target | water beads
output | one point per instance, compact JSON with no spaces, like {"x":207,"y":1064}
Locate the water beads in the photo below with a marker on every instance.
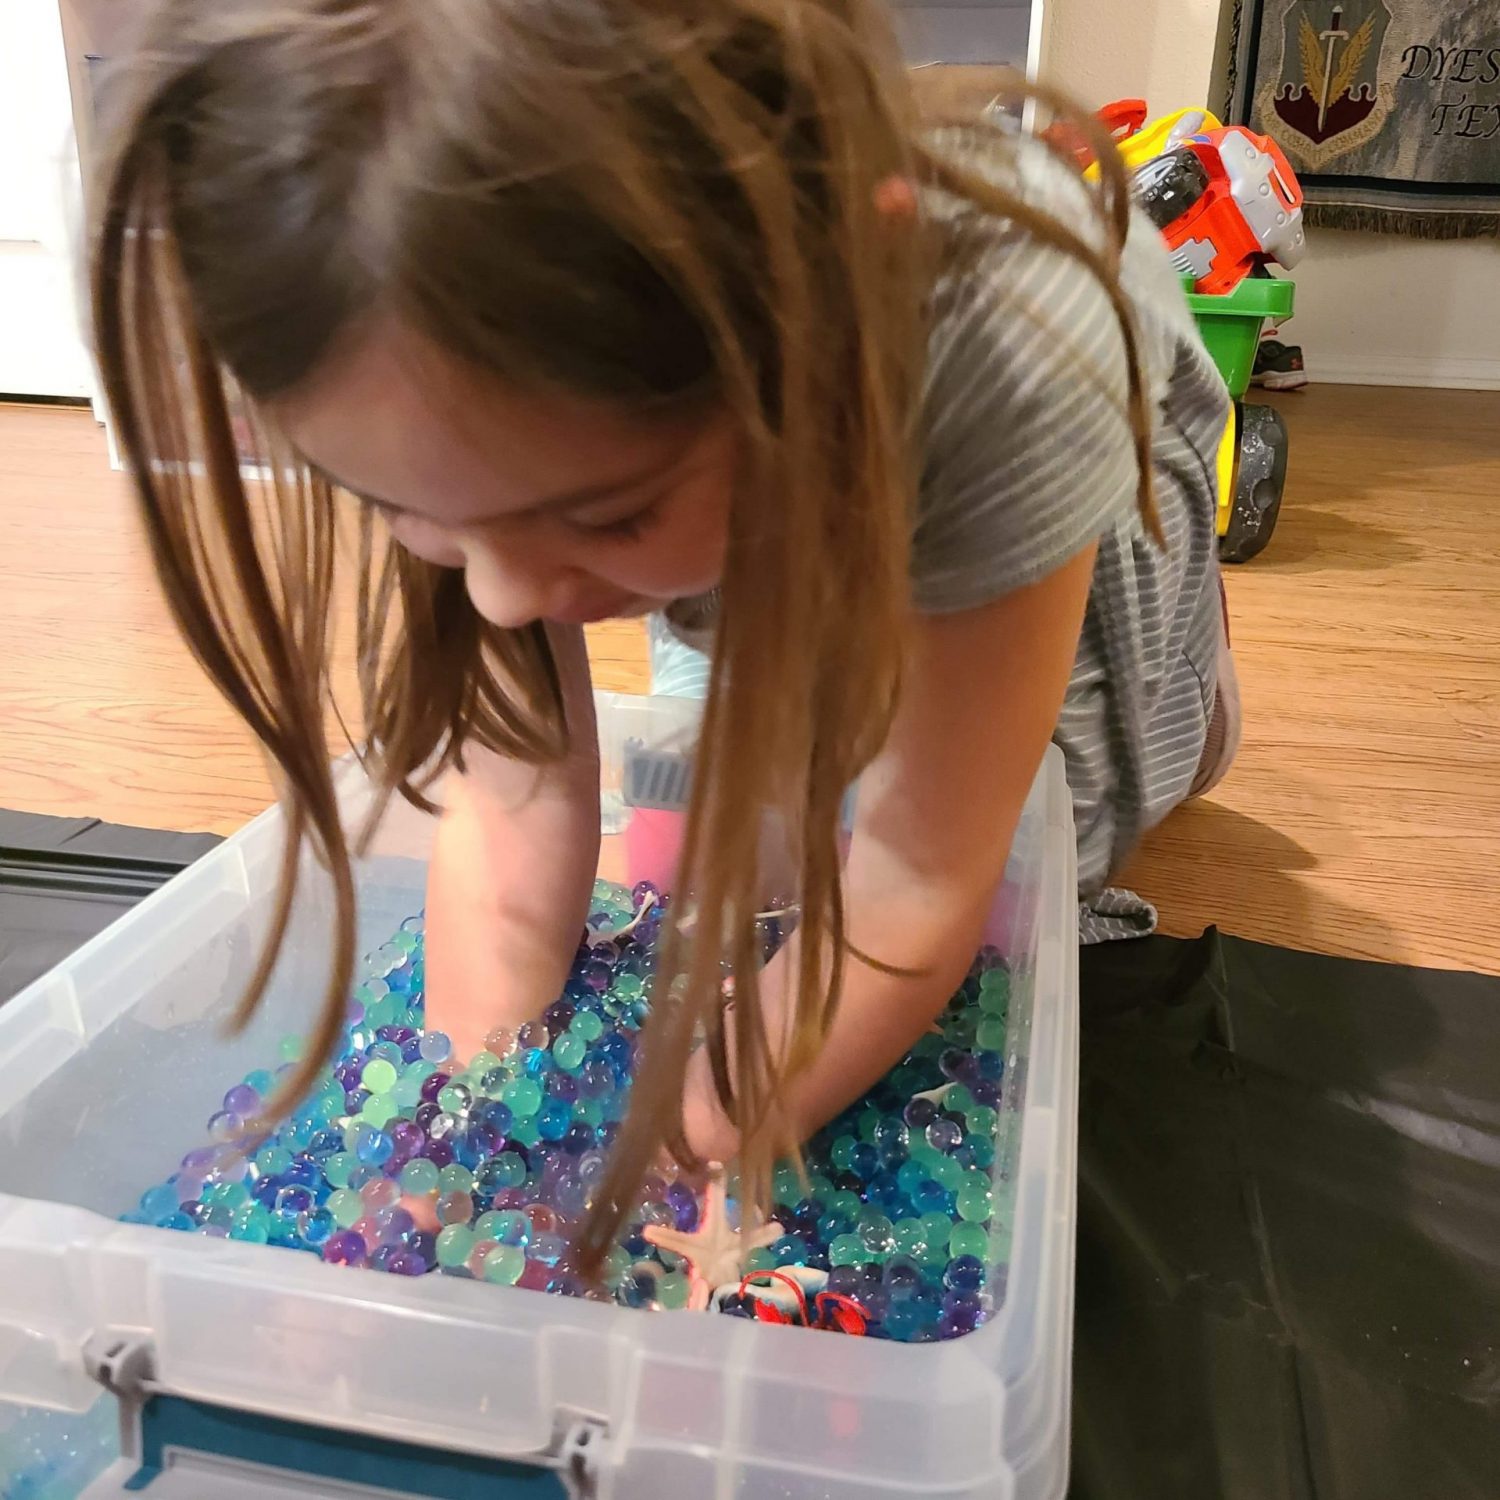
{"x":401,"y":1161}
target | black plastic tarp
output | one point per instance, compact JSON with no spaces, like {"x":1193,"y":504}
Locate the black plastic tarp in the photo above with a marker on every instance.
{"x":1289,"y":1228}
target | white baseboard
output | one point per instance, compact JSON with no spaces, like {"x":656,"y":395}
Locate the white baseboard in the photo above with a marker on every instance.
{"x":1418,"y":371}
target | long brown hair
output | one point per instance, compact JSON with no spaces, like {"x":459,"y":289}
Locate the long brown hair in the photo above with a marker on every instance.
{"x":638,"y":202}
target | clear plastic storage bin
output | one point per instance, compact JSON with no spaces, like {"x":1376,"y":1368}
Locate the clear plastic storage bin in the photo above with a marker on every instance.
{"x":110,"y":1064}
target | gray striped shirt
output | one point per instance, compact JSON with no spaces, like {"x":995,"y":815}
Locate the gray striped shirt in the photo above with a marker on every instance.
{"x":1029,"y":458}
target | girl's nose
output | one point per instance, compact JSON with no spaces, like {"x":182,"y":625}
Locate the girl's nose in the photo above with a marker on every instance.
{"x":514,"y":586}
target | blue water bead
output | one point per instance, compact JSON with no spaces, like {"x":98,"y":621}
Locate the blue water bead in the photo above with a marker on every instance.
{"x":902,"y":1278}
{"x":864,"y":1159}
{"x":294,"y":1199}
{"x":910,"y":1176}
{"x":373,"y":1147}
{"x":975,"y":1151}
{"x":325,"y":1143}
{"x":964,"y":1274}
{"x":159,"y":1203}
{"x":553,"y":1120}
{"x":790,"y":1250}
{"x":178,"y":1220}
{"x":832,"y":1225}
{"x":930,"y":1197}
{"x":537,"y":1062}
{"x":903,"y":1318}
{"x":316,"y":1227}
{"x":578,"y":1139}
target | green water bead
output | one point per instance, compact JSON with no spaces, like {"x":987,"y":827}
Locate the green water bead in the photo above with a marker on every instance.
{"x":525,"y":1132}
{"x":523,"y":1097}
{"x":455,"y":1242}
{"x":949,"y":1173}
{"x":968,"y":1239}
{"x":938,"y":1227}
{"x":453,"y":1099}
{"x":568,"y":1051}
{"x":379,"y":1076}
{"x":290,"y":1049}
{"x":630,"y":987}
{"x":408,"y":1090}
{"x":586,"y":1024}
{"x":786,"y":1184}
{"x":338,"y":1167}
{"x":869,"y":1125}
{"x":989,"y":1035}
{"x":911,"y":1238}
{"x":672,"y":1291}
{"x":492,"y":1082}
{"x":616,"y":1264}
{"x":420,"y":1177}
{"x":272,"y":1161}
{"x":994,"y":990}
{"x":841,"y":1153}
{"x":379,"y":1110}
{"x":876,"y":1233}
{"x":347,"y":1207}
{"x":227,"y":1194}
{"x":982,"y":1120}
{"x":252,"y":1224}
{"x":958,"y":1099}
{"x":975,"y":1199}
{"x":844,"y":1202}
{"x":846,"y":1250}
{"x":455,"y":1178}
{"x":503,"y":1265}
{"x":590,"y":1111}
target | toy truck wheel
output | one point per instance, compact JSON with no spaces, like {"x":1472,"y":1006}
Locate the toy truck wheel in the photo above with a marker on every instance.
{"x":1259,"y":482}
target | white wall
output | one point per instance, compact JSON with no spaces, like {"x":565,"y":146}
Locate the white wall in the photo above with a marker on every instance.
{"x":1373,"y":310}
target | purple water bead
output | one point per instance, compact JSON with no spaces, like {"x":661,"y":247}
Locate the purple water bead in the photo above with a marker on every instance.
{"x":433,"y":1086}
{"x":919,"y":1114}
{"x":944,"y":1134}
{"x":346,"y":1248}
{"x":684,"y":1205}
{"x":562,"y":1086}
{"x":440,"y":1153}
{"x":243,"y":1101}
{"x":406,"y":1262}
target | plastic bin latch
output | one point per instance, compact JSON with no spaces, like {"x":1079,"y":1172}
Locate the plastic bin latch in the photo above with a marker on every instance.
{"x":124,"y":1364}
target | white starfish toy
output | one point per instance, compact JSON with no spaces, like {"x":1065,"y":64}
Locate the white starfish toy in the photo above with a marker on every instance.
{"x":715,"y":1252}
{"x":938,"y":1095}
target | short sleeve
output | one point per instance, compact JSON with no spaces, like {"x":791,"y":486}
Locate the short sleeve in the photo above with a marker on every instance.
{"x":1029,"y":453}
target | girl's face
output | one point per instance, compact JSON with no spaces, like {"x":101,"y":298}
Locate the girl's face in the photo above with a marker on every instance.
{"x":556,"y":507}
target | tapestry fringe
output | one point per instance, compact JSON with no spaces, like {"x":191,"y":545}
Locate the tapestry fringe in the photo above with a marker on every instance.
{"x":1423,"y":226}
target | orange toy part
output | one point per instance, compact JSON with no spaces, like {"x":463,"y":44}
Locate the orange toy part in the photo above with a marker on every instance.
{"x":1249,"y":211}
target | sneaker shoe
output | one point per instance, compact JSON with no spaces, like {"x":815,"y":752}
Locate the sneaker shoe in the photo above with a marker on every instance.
{"x":1279,"y":367}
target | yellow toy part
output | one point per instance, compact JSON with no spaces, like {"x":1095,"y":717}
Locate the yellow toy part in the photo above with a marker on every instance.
{"x":1229,"y":452}
{"x":1159,"y":137}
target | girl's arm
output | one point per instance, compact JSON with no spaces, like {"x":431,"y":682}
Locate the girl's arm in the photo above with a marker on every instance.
{"x":511,"y":875}
{"x":936,"y":815}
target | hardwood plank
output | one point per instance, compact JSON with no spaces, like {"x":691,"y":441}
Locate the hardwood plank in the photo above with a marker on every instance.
{"x":1363,"y":816}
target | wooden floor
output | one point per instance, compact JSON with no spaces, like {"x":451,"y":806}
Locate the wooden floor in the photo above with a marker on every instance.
{"x":1363,"y":816}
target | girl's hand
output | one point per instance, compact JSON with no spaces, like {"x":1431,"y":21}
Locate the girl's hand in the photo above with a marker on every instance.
{"x":511,"y":876}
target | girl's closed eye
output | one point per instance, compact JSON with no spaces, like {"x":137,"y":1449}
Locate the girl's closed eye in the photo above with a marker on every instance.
{"x":628,"y":527}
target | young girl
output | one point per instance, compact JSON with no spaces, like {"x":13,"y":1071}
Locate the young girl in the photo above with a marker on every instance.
{"x":612,"y":308}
